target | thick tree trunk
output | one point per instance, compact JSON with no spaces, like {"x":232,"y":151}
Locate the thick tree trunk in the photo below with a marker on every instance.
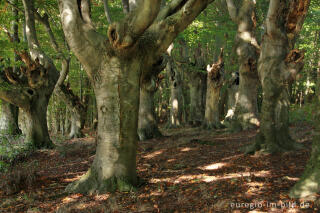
{"x":245,"y":115}
{"x":212,"y":118}
{"x":176,"y":99}
{"x":37,"y":130}
{"x":9,"y":119}
{"x":246,"y":110}
{"x":274,"y":131}
{"x":114,"y":166}
{"x":214,"y":85}
{"x":147,"y":126}
{"x":278,"y":64}
{"x":196,"y":107}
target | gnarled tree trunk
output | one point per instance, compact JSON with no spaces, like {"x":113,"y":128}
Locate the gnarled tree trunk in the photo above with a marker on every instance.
{"x":214,"y":84}
{"x":246,"y":111}
{"x":37,"y":130}
{"x":176,"y":97}
{"x":278,"y":64}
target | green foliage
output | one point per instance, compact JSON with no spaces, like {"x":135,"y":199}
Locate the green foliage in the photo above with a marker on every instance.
{"x":306,"y":113}
{"x":12,"y":148}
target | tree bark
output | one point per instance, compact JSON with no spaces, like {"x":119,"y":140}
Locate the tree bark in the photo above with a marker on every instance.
{"x":114,"y":166}
{"x":176,"y":99}
{"x":147,"y":126}
{"x":214,"y":84}
{"x":196,"y":107}
{"x":37,"y":130}
{"x":278,"y":64}
{"x":246,"y":110}
{"x":9,"y":119}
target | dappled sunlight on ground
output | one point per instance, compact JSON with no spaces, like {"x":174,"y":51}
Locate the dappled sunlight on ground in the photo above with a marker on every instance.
{"x":189,"y":170}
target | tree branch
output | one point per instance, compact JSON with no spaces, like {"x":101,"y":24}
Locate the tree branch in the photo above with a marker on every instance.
{"x":13,"y":94}
{"x":170,"y":9}
{"x":272,"y":17}
{"x":86,"y":11}
{"x":169,"y":27}
{"x":83,"y":40}
{"x":233,"y":10}
{"x":124,"y":34}
{"x":107,"y":11}
{"x":49,"y":75}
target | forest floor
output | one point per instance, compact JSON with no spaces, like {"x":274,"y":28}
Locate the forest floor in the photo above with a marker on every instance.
{"x":188,"y":170}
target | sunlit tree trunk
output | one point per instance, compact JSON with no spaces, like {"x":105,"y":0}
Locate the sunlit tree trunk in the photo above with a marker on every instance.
{"x":176,"y":97}
{"x":278,"y":64}
{"x":214,"y":84}
{"x":246,"y":110}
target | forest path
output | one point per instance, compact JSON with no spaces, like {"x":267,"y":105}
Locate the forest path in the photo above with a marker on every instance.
{"x":188,"y":170}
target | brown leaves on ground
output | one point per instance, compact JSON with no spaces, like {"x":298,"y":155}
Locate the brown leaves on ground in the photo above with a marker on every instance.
{"x":189,"y":170}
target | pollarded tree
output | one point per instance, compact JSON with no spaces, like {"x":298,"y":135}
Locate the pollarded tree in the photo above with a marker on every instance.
{"x":215,"y":81}
{"x":32,"y":88}
{"x":176,"y":94}
{"x":278,"y":64}
{"x":115,"y":65}
{"x":196,"y":79}
{"x":247,"y":49}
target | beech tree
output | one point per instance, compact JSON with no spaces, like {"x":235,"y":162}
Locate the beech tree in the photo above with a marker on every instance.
{"x":115,"y":64}
{"x":32,"y":88}
{"x":176,"y":95}
{"x":147,"y":125}
{"x":278,"y":64}
{"x":215,"y":81}
{"x":247,"y":49}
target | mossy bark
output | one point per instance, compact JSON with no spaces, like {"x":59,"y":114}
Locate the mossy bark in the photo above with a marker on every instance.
{"x":274,"y":131}
{"x":9,"y":119}
{"x":37,"y":133}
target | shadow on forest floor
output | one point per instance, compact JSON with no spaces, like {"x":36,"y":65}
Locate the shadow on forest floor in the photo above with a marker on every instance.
{"x":189,"y":170}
